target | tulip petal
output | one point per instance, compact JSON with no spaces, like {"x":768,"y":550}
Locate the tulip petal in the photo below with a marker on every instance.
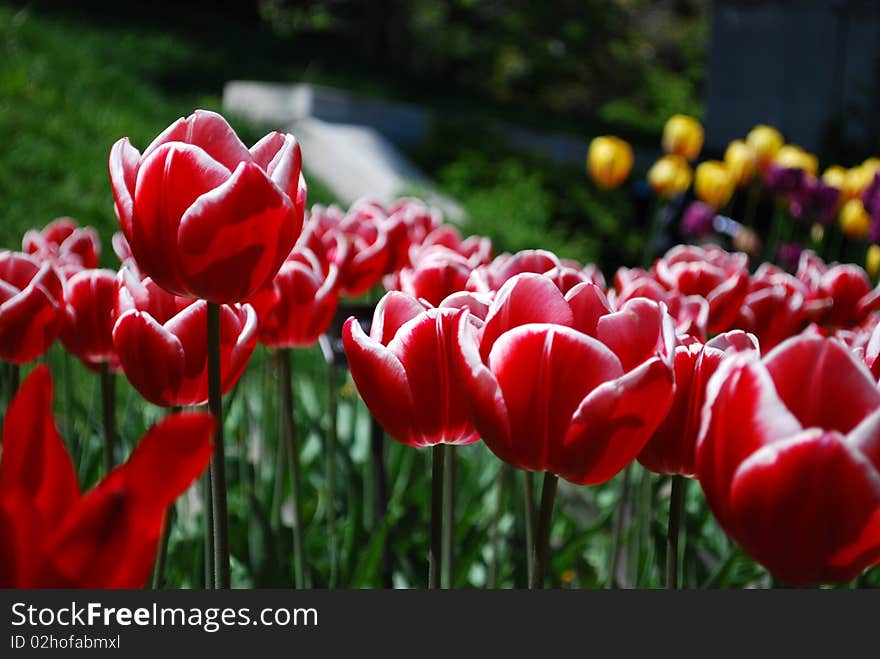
{"x":233,"y":239}
{"x":381,"y":381}
{"x":742,"y":413}
{"x":425,"y":346}
{"x":152,"y":358}
{"x":614,"y":422}
{"x":544,"y":372}
{"x":822,"y":383}
{"x":123,"y":165}
{"x":35,"y":461}
{"x":588,"y":304}
{"x":525,"y":298}
{"x":632,"y":332}
{"x":169,"y":181}
{"x":797,"y":503}
{"x":392,"y":311}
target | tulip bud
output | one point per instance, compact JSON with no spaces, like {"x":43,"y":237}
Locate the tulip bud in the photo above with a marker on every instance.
{"x":741,"y":161}
{"x":683,"y":136}
{"x":872,"y":260}
{"x":792,"y":156}
{"x":854,"y":219}
{"x":670,"y":176}
{"x":766,"y":141}
{"x":714,"y":183}
{"x":609,"y":161}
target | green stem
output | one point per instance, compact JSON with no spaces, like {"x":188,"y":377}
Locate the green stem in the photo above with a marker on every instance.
{"x":380,"y":496}
{"x":108,"y":407}
{"x":288,"y":427}
{"x":449,"y":478}
{"x":218,"y":460}
{"x":158,"y":579}
{"x":494,"y":530}
{"x":209,"y":530}
{"x":531,"y":516}
{"x":438,"y":455}
{"x":280,"y":473}
{"x":542,"y":533}
{"x":676,"y":513}
{"x":618,"y":529}
{"x":14,"y":380}
{"x":330,"y":442}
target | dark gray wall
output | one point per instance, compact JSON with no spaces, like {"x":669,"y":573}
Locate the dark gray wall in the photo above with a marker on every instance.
{"x":800,"y":65}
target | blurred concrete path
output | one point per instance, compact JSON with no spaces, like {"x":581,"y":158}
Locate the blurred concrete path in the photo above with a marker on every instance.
{"x":349,"y":143}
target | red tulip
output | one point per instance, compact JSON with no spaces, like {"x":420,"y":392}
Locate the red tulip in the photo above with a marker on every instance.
{"x":789,"y":459}
{"x":205,"y":216}
{"x":420,"y":220}
{"x":777,"y":306}
{"x":31,"y":306}
{"x":476,"y":249}
{"x":63,"y":242}
{"x":123,"y":252}
{"x":671,"y":448}
{"x":491,"y":277}
{"x":90,"y":312}
{"x":720,"y":277}
{"x":405,"y":371}
{"x":438,"y":273}
{"x":56,"y":537}
{"x":690,"y":312}
{"x":299,"y":303}
{"x":565,"y":384}
{"x":161,"y":340}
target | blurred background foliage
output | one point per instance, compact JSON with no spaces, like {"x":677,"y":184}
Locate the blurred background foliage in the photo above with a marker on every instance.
{"x":74,"y":77}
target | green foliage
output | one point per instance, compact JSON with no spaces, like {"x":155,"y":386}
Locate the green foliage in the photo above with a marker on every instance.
{"x":525,"y":202}
{"x":68,"y":91}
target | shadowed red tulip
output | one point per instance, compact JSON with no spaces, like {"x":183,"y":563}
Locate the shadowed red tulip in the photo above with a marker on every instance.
{"x":63,"y":242}
{"x":56,"y":537}
{"x":789,"y":459}
{"x":565,"y":384}
{"x":161,"y":340}
{"x":490,"y":278}
{"x":31,"y":306}
{"x":720,"y":277}
{"x":438,"y":273}
{"x":299,"y":304}
{"x":205,"y":216}
{"x":841,"y":293}
{"x":405,"y":371}
{"x":90,"y":313}
{"x":690,"y":312}
{"x":671,"y":448}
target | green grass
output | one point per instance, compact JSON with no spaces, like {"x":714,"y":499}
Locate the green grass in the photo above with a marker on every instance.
{"x":68,"y":91}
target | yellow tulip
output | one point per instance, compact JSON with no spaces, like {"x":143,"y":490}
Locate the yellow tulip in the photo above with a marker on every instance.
{"x":741,"y":161}
{"x":872,"y":260}
{"x":714,"y":183}
{"x":857,"y":179}
{"x":793,"y":156}
{"x":766,"y":141}
{"x":609,"y":161}
{"x":683,"y":136}
{"x":835,"y":176}
{"x":670,"y":175}
{"x":854,"y":219}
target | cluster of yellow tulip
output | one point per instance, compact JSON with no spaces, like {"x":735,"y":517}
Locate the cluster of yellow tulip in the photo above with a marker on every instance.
{"x":763,"y":150}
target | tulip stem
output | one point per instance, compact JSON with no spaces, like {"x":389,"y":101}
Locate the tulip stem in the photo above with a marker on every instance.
{"x":14,"y":378}
{"x":218,"y":460}
{"x":158,"y":579}
{"x":209,"y":531}
{"x":108,"y":407}
{"x":618,"y":528}
{"x":438,"y":456}
{"x":542,"y":533}
{"x":288,"y":429}
{"x":448,"y":559}
{"x":531,"y":515}
{"x":330,"y":442}
{"x":380,"y":496}
{"x":676,"y":513}
{"x":494,"y":530}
